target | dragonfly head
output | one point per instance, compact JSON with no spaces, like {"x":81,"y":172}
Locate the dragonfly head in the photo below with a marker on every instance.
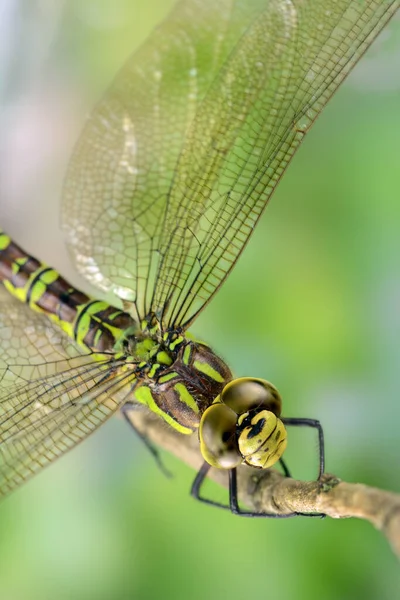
{"x":243,"y":426}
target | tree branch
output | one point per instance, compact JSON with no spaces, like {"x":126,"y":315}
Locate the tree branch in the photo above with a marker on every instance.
{"x":269,"y":491}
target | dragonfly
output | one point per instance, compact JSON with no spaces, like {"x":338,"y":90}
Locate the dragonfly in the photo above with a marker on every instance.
{"x":166,"y":184}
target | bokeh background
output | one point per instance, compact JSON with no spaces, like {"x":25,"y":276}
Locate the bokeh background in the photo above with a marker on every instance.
{"x":313,"y":305}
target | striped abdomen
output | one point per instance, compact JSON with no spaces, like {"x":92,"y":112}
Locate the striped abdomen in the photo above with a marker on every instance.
{"x":177,"y":378}
{"x":94,"y":324}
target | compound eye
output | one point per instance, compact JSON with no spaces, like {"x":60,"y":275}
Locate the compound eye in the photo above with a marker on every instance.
{"x":218,"y":441}
{"x":262,"y":438}
{"x":245,"y":393}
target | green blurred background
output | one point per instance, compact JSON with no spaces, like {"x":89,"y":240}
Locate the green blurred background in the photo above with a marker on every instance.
{"x":313,"y":306}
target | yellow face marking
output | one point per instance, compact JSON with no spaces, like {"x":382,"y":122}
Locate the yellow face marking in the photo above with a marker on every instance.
{"x":263,"y":441}
{"x":186,"y":397}
{"x":144,"y":396}
{"x":208,"y":370}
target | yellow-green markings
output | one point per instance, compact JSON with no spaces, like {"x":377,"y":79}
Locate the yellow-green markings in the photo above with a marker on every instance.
{"x":208,"y":370}
{"x":18,"y":263}
{"x":97,"y":337}
{"x":42,"y":279}
{"x":186,"y":397}
{"x":164,"y":358}
{"x":145,"y":348}
{"x":154,"y":369}
{"x":86,"y":314}
{"x":167,"y":377}
{"x":144,"y":396}
{"x":173,"y":344}
{"x":186,"y":354}
{"x":5,"y":241}
{"x":125,"y":334}
{"x":83,"y":322}
{"x":32,"y":291}
{"x":36,"y":284}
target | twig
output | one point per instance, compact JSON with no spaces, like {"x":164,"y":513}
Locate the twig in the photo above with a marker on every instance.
{"x":269,"y":491}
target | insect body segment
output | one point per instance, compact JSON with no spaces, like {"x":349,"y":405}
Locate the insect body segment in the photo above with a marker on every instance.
{"x":175,"y":377}
{"x":93,"y":324}
{"x":172,"y":172}
{"x":181,"y":393}
{"x":243,"y":426}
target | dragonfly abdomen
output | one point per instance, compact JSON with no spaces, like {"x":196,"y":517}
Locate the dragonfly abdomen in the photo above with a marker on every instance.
{"x":93,"y":324}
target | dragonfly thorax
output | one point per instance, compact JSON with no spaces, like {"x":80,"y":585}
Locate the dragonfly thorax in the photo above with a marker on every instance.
{"x":145,"y":346}
{"x":181,"y":391}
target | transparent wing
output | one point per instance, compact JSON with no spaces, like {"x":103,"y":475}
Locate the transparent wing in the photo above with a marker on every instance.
{"x":117,"y":189}
{"x":277,"y":79}
{"x":51,"y":396}
{"x":178,"y":161}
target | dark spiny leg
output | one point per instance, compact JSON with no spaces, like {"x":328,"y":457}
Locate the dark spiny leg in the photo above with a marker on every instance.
{"x":129,"y":406}
{"x":285,"y":469}
{"x":198,"y":482}
{"x":321,"y":445}
{"x":233,"y":497}
{"x":234,"y":505}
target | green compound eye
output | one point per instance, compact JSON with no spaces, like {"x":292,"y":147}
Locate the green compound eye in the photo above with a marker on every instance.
{"x":262,"y":438}
{"x":218,"y":442}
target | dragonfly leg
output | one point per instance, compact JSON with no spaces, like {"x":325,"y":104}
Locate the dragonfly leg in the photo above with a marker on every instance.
{"x":236,"y":510}
{"x":321,"y":445}
{"x":234,"y":504}
{"x":198,"y":482}
{"x":233,"y":497}
{"x":125,"y":410}
{"x":285,"y":468}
